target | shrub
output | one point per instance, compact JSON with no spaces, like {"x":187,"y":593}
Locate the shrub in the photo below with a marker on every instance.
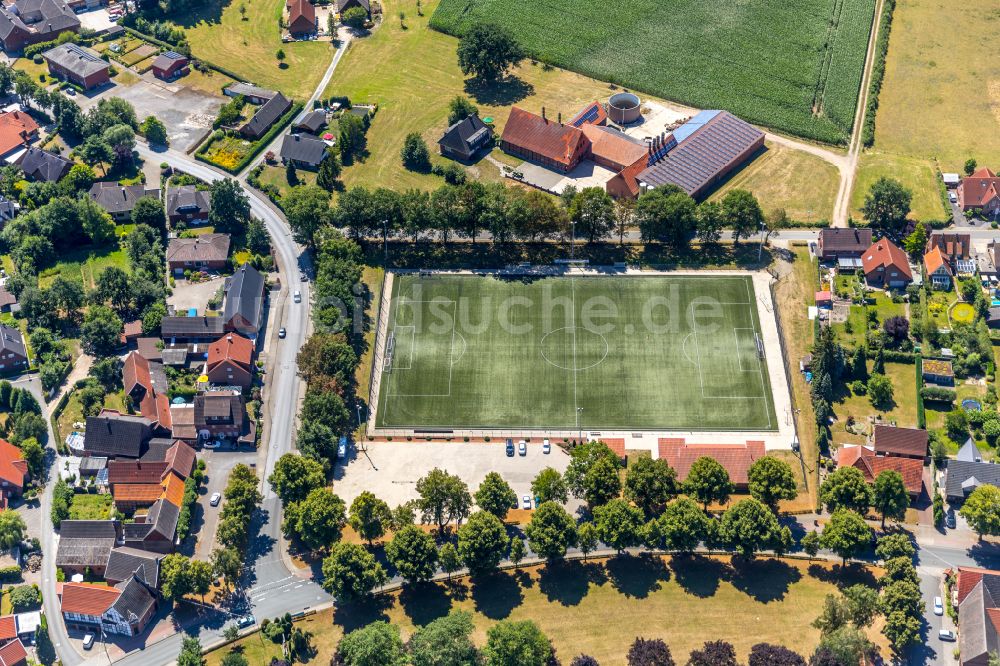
{"x":937,"y":394}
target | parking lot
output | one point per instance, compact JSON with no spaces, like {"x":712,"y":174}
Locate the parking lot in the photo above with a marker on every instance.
{"x":218,"y":465}
{"x":187,"y":295}
{"x":391,"y":469}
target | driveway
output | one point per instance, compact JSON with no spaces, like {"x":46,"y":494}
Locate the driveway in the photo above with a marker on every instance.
{"x":391,"y":469}
{"x":187,"y":295}
{"x":205,"y":518}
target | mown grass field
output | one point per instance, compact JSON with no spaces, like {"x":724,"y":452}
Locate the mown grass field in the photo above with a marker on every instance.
{"x":772,"y":601}
{"x":915,"y":173}
{"x":790,"y":66}
{"x":803,"y":184}
{"x":218,"y":33}
{"x":84,"y":265}
{"x":941,"y":94}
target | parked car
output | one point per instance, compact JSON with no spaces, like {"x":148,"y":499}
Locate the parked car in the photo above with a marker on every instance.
{"x":297,"y":296}
{"x":526,"y":502}
{"x":546,"y":447}
{"x":949,"y":520}
{"x":211,"y":444}
{"x":522,"y":447}
{"x":510,"y":448}
{"x":216,"y":498}
{"x":88,"y":641}
{"x":281,"y":333}
{"x":303,"y":277}
{"x":246,"y":621}
{"x":947,"y":635}
{"x":938,"y":606}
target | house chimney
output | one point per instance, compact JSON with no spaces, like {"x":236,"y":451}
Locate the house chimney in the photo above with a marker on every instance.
{"x":559,"y":116}
{"x":543,"y":113}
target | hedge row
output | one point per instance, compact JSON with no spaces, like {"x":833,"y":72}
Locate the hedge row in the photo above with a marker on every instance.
{"x":258,"y":145}
{"x":895,"y":356}
{"x":921,"y":415}
{"x":936,"y":394}
{"x":878,"y":73}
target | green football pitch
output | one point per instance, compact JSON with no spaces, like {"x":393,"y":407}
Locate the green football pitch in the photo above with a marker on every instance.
{"x":568,"y":353}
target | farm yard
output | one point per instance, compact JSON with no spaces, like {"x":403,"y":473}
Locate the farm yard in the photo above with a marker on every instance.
{"x":771,"y":62}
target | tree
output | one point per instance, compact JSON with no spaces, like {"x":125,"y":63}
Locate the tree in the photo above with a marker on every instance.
{"x":880,"y":391}
{"x":460,"y":108}
{"x":886,"y":205}
{"x":482,"y":542}
{"x":351,"y":136}
{"x":970,"y":166}
{"x":326,"y":408}
{"x":414,"y":153}
{"x":413,"y":553}
{"x":307,"y":208}
{"x":846,"y":488}
{"x":190,"y":654}
{"x":445,"y":641}
{"x":862,"y":605}
{"x":516,"y":550}
{"x":279,"y":54}
{"x":443,"y":498}
{"x":601,"y":482}
{"x":12,"y":529}
{"x":771,"y":480}
{"x":741,"y":212}
{"x":495,"y":495}
{"x":890,"y":497}
{"x":294,"y":477}
{"x":650,"y":484}
{"x":25,"y":597}
{"x":377,"y":644}
{"x":584,"y":660}
{"x":587,"y":538}
{"x":121,"y":140}
{"x":649,"y":652}
{"x":897,"y":328}
{"x":619,"y":524}
{"x":175,"y":577}
{"x":956,"y":423}
{"x":100,"y":331}
{"x":765,"y":654}
{"x":982,"y":511}
{"x":230,"y":210}
{"x":449,"y":559}
{"x":844,"y":646}
{"x":516,"y":643}
{"x":329,"y":171}
{"x":148,"y":211}
{"x":154,"y":130}
{"x":847,"y":534}
{"x":810,"y":543}
{"x":486,"y":51}
{"x":34,"y":456}
{"x":327,"y":355}
{"x":916,"y":242}
{"x":234,"y":658}
{"x":714,"y":653}
{"x":708,"y":481}
{"x":894,"y":545}
{"x":592,"y":212}
{"x":227,"y":563}
{"x":201,"y":576}
{"x":354,"y":17}
{"x":351,"y":572}
{"x":897,"y":569}
{"x":666,"y":214}
{"x":369,"y":516}
{"x":749,"y":526}
{"x":582,"y":458}
{"x":549,"y":486}
{"x":79,"y":179}
{"x":317,"y":441}
{"x":317,"y":520}
{"x":551,"y":531}
{"x":902,"y":630}
{"x":776,"y":222}
{"x":681,"y":527}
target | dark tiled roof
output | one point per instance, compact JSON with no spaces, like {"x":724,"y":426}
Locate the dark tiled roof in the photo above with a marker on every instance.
{"x":313,"y":121}
{"x":900,"y":441}
{"x":116,"y":435}
{"x":86,"y":542}
{"x":245,"y":295}
{"x":846,"y":240}
{"x":81,"y":61}
{"x":218,"y":406}
{"x":11,"y":340}
{"x":124,"y":562}
{"x":156,"y":450}
{"x":248,"y":90}
{"x":204,"y":247}
{"x":192,"y":327}
{"x":161,"y":520}
{"x":188,"y":199}
{"x":181,"y":459}
{"x":116,"y":198}
{"x":40,"y":164}
{"x":267,"y":115}
{"x":135,"y":601}
{"x":344,"y":5}
{"x":466,"y":136}
{"x":303,"y":148}
{"x":964,"y":476}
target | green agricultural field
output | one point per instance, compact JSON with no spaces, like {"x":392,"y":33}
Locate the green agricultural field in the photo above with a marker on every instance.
{"x":651,"y":352}
{"x":793,"y":66}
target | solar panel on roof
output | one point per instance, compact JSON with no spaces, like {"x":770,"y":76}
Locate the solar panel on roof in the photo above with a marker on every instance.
{"x":588,"y":116}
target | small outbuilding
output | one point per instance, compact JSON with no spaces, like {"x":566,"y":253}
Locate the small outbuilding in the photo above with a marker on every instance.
{"x":169,"y":65}
{"x":824,"y":299}
{"x":937,"y":372}
{"x":312,"y":123}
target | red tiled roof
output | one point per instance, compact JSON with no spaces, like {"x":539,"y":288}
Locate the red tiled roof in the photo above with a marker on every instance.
{"x":735,"y":458}
{"x":953,"y":246}
{"x":13,"y":468}
{"x":911,"y":469}
{"x":173,"y":489}
{"x":8,"y":628}
{"x":883,"y":254}
{"x":137,"y":492}
{"x":15,"y":130}
{"x":616,"y":445}
{"x":135,"y":371}
{"x":934,"y":260}
{"x":823,"y":296}
{"x":967,"y":579}
{"x":301,"y":9}
{"x":135,"y":471}
{"x":180,"y":459}
{"x":231,"y":347}
{"x":613,"y":146}
{"x":978,"y":189}
{"x":87,"y":598}
{"x":133,"y":329}
{"x":593,"y":113}
{"x":630,"y":175}
{"x":13,"y":654}
{"x":900,"y":441}
{"x":543,"y":137}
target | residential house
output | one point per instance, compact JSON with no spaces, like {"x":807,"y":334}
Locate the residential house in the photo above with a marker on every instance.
{"x":180,"y":459}
{"x":886,"y":266}
{"x":13,"y":472}
{"x":78,"y":65}
{"x":301,"y":18}
{"x":123,"y":563}
{"x":205,"y":252}
{"x":864,"y":459}
{"x":244,"y":302}
{"x":179,"y":330}
{"x":976,"y":595}
{"x":122,"y":610}
{"x":735,"y":458}
{"x":230,"y":361}
{"x":188,"y":204}
{"x":988,"y":261}
{"x":937,"y":372}
{"x":537,"y":139}
{"x":466,"y":139}
{"x":169,"y":65}
{"x":41,"y":165}
{"x":13,"y":653}
{"x":131,"y":332}
{"x":344,"y":5}
{"x":835,"y":244}
{"x":111,"y":434}
{"x":967,"y":472}
{"x":17,"y":131}
{"x":86,"y":544}
{"x":221,"y":414}
{"x":13,"y":353}
{"x":119,"y":200}
{"x":156,"y":531}
{"x":303,"y":151}
{"x":8,"y":210}
{"x":980,"y":192}
{"x":250,"y":93}
{"x":938,"y":269}
{"x":900,"y":442}
{"x":954,"y":247}
{"x":34,"y":21}
{"x":312,"y":122}
{"x":265,"y":118}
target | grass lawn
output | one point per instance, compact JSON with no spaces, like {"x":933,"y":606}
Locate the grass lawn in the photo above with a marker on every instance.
{"x":903,"y":410}
{"x":84,"y":265}
{"x":277,"y":176}
{"x":769,"y":600}
{"x":852,"y":333}
{"x":73,"y":412}
{"x":941,"y":98}
{"x":6,"y":608}
{"x":90,"y":507}
{"x":372,"y":277}
{"x":916,"y":174}
{"x":218,"y":34}
{"x":801,"y":183}
{"x":938,"y":306}
{"x":209,"y":81}
{"x":936,"y":412}
{"x":125,"y":78}
{"x":29,"y":67}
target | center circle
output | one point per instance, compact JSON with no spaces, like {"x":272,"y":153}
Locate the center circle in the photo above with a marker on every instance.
{"x":573,"y":348}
